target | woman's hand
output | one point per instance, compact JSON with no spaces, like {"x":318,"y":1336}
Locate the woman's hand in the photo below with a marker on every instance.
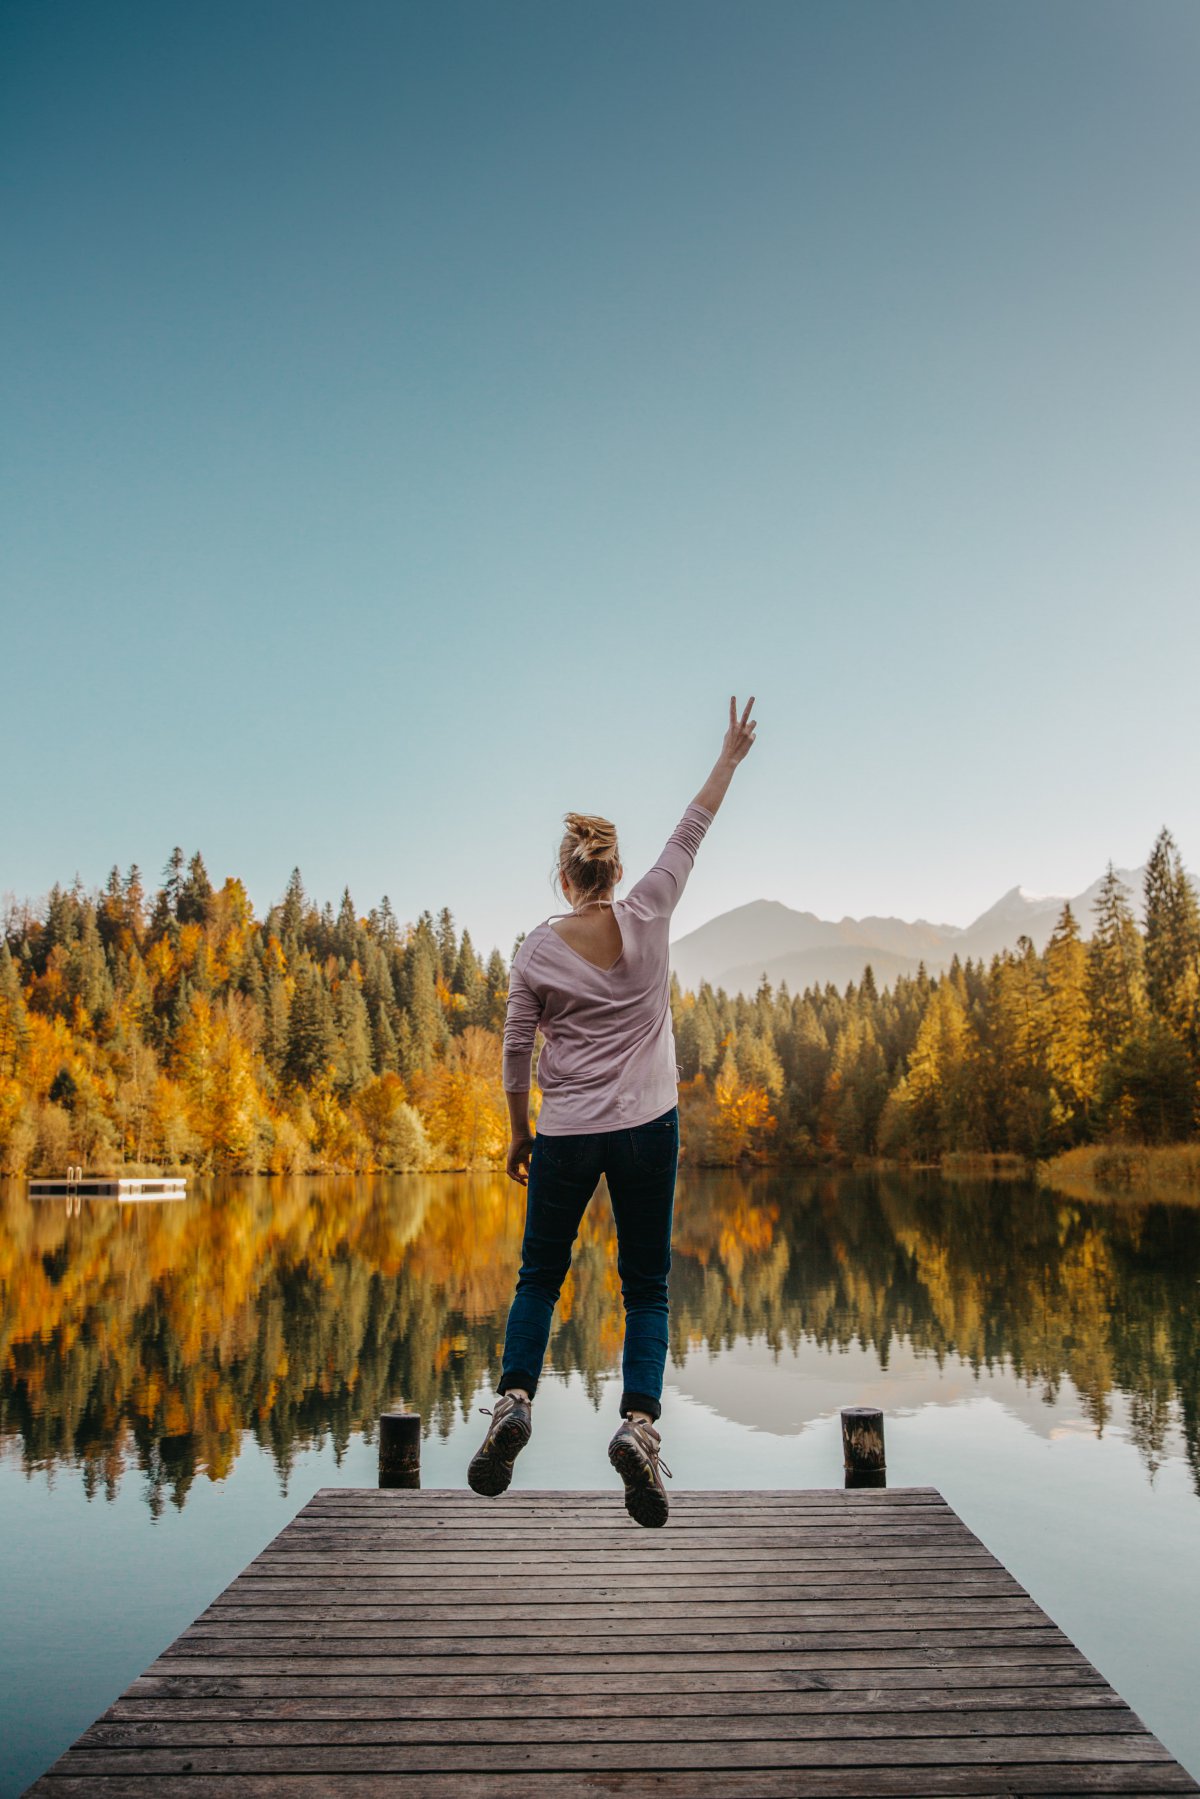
{"x":519,"y":1151}
{"x":739,"y":738}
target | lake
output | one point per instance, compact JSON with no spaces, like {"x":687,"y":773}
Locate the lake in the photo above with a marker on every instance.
{"x":178,"y":1378}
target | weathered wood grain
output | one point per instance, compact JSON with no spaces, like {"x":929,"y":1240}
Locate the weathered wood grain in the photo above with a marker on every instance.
{"x":834,"y":1751}
{"x":1057,"y":1781}
{"x":980,"y":1677}
{"x":684,"y":1705}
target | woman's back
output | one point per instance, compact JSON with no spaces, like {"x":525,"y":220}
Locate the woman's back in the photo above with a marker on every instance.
{"x":594,"y":935}
{"x":597,"y":985}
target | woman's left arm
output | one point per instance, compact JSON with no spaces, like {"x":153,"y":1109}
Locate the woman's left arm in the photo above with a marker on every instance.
{"x":521,"y":1019}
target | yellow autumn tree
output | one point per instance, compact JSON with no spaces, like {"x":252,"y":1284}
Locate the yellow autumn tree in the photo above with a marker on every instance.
{"x":461,"y":1100}
{"x":930,"y":1108}
{"x":1071,"y":1054}
{"x":391,"y":1126}
{"x":215,"y":1070}
{"x":742,"y":1113}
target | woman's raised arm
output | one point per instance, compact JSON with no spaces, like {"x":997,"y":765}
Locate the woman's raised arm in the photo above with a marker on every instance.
{"x":738,"y":741}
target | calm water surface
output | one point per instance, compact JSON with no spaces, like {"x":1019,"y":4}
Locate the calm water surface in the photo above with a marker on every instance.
{"x":178,"y":1378}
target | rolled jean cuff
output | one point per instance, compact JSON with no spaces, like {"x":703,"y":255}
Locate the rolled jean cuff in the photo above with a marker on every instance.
{"x":639,"y":1402}
{"x":517,"y":1377}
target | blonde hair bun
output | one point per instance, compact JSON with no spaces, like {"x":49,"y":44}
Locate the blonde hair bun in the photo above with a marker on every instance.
{"x":592,"y":839}
{"x":588,"y":856}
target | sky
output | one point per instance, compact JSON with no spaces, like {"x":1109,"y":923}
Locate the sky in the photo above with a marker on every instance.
{"x":419,"y":418}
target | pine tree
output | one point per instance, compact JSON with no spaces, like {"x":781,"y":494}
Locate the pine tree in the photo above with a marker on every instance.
{"x":425,"y":1014}
{"x":135,"y":904}
{"x":88,"y":979}
{"x":312,"y":1028}
{"x":807,"y":1056}
{"x":195,"y":893}
{"x":348,"y":933}
{"x":1172,"y":953}
{"x":276,"y":1010}
{"x":172,"y":882}
{"x":468,"y":983}
{"x":1070,"y":1045}
{"x":447,"y":944}
{"x":386,"y":1049}
{"x":1116,"y":984}
{"x":62,"y":920}
{"x":939,"y":1073}
{"x":389,"y":930}
{"x":14,"y":1022}
{"x":497,"y":991}
{"x":355,"y":1048}
{"x":110,"y":917}
{"x":856,"y":1088}
{"x":291,"y":919}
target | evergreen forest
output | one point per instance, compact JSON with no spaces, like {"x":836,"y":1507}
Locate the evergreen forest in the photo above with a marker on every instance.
{"x":177,"y":1029}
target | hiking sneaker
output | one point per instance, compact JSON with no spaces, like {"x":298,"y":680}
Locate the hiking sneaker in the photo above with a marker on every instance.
{"x":634,"y":1453}
{"x":511,"y":1428}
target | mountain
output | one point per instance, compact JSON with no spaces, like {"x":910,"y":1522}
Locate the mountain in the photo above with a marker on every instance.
{"x":735,"y":949}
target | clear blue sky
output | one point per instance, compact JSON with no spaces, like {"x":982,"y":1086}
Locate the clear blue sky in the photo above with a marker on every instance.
{"x":419,"y":417}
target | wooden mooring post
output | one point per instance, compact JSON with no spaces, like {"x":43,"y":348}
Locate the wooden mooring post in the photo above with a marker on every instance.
{"x":862,"y":1446}
{"x":400,"y":1449}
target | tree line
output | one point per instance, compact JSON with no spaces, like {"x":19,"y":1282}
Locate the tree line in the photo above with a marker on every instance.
{"x":1029,"y":1054}
{"x":179,"y":1029}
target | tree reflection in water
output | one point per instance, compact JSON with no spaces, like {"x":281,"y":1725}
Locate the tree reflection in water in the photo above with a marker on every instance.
{"x":156,"y":1336}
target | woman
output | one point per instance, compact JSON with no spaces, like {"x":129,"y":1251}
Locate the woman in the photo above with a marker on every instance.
{"x":595,"y":981}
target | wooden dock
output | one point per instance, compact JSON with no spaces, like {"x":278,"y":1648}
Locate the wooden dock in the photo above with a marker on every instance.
{"x":763,"y":1645}
{"x":103,"y":1186}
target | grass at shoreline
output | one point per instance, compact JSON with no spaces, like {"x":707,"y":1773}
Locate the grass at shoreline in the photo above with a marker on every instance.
{"x":1143,"y":1172}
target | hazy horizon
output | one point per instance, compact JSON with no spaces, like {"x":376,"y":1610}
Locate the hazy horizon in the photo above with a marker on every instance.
{"x":421,"y":419}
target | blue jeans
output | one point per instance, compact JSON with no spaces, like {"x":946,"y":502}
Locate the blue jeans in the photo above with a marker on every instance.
{"x":640,"y":1164}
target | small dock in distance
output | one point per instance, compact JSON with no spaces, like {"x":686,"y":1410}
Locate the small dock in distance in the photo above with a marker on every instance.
{"x":101,"y":1186}
{"x":765,"y":1645}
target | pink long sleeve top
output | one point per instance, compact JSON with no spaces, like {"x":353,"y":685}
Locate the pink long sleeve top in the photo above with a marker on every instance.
{"x":608,"y":1050}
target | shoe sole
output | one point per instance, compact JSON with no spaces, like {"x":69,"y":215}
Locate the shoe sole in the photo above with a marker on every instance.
{"x":490,"y":1471}
{"x":644,"y":1501}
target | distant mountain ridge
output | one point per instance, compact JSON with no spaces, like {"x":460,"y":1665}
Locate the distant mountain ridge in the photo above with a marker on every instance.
{"x":735,"y":949}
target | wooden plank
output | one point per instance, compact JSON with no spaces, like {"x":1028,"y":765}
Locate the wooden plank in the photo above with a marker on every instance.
{"x":615,"y":1565}
{"x":495,"y":1658}
{"x":616,"y":1524}
{"x":580,"y":1639}
{"x":795,"y":1606}
{"x":253,"y":1589}
{"x":363,"y":1503}
{"x":982,"y":1677}
{"x":1059,"y":1782}
{"x":457,"y":1636}
{"x":855,"y":1500}
{"x":832,"y":1752}
{"x":266,"y":1617}
{"x":511,"y":1729}
{"x":464,"y":1652}
{"x":471,"y":1706}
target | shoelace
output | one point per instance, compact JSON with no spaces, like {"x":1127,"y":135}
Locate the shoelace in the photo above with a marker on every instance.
{"x":653,"y":1453}
{"x":500,"y":1413}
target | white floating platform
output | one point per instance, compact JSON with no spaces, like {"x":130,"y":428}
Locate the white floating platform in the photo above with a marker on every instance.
{"x":107,"y":1187}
